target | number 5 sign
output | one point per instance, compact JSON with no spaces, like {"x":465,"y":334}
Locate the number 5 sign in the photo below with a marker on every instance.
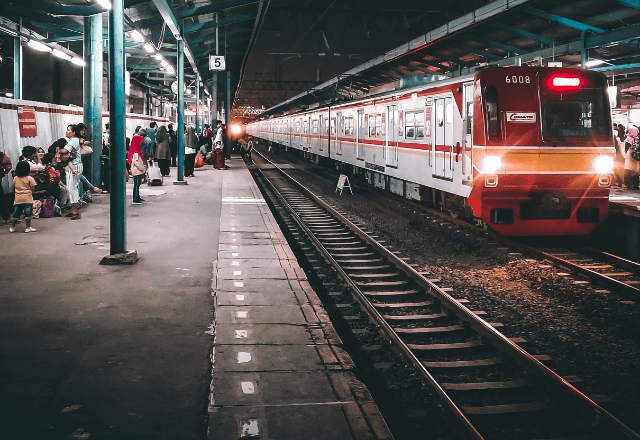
{"x":216,"y":62}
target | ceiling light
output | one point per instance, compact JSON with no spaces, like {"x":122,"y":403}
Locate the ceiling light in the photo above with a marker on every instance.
{"x":165,"y":64}
{"x":38,"y":46}
{"x":170,"y":70}
{"x":9,"y":95}
{"x":78,"y":61}
{"x":158,"y":57}
{"x":136,"y":35}
{"x":188,"y":91}
{"x":104,"y":3}
{"x":593,"y":63}
{"x":60,"y":54}
{"x":149,"y":48}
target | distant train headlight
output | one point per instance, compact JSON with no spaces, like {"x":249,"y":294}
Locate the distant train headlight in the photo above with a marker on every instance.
{"x":236,"y":129}
{"x":603,"y":164}
{"x":491,"y":164}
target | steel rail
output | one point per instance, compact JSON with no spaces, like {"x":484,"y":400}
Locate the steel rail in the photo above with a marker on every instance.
{"x":597,"y":416}
{"x":406,"y":353}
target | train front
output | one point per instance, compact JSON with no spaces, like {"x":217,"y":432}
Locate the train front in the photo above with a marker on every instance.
{"x":543,"y":150}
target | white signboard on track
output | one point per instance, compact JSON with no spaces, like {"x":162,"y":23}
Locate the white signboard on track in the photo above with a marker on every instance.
{"x":216,"y":62}
{"x":343,"y":182}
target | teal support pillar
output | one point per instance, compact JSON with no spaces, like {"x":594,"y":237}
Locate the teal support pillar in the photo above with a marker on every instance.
{"x":214,"y":98}
{"x":584,"y":55}
{"x":92,"y":90}
{"x":180,"y":131}
{"x":197,"y":103}
{"x":228,"y":115}
{"x":17,"y":68}
{"x":117,"y":131}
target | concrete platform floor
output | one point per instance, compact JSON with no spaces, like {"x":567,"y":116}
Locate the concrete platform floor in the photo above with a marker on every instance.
{"x":214,"y":333}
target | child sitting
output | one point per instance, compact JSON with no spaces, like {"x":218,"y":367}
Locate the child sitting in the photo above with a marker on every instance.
{"x":23,"y":183}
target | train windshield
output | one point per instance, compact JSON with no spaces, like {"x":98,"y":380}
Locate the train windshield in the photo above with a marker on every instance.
{"x":580,"y":113}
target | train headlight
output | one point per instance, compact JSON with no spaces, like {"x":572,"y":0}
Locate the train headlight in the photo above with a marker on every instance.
{"x":603,"y":164}
{"x":236,"y":129}
{"x":491,"y":164}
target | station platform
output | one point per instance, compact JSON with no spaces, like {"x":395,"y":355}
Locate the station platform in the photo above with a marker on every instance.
{"x":624,"y":201}
{"x":214,"y":333}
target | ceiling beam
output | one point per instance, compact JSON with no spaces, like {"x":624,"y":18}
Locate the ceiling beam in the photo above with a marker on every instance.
{"x":497,"y":45}
{"x":561,"y":20}
{"x":201,"y":10}
{"x":522,"y":33}
{"x":170,"y":18}
{"x":635,"y":4}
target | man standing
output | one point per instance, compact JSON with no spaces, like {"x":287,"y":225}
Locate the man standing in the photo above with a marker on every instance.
{"x":218,"y":145}
{"x":151,"y":134}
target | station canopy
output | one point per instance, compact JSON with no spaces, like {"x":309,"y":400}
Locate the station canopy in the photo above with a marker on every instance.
{"x":227,"y":28}
{"x":384,"y":46}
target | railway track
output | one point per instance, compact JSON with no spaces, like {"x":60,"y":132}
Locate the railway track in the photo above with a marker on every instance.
{"x":486,"y":382}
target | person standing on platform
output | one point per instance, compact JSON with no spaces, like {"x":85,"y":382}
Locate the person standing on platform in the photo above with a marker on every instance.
{"x":137,"y":164}
{"x":73,"y":169}
{"x":190,"y":150}
{"x":163,"y":152}
{"x":631,"y":165}
{"x":218,"y":145}
{"x":151,"y":134}
{"x":23,"y":202}
{"x":146,"y":146}
{"x":173,"y":145}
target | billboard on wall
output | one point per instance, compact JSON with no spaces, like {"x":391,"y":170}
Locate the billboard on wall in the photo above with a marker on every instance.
{"x":27,"y":121}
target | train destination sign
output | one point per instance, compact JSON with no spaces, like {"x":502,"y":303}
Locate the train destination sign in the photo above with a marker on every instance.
{"x":521,"y":117}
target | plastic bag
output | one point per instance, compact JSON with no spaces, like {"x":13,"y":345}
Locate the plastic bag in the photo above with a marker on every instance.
{"x":199,"y":163}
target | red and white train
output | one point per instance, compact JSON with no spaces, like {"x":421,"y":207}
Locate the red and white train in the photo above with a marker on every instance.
{"x":529,"y":150}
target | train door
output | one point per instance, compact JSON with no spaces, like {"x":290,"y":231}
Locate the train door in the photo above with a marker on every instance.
{"x":305,"y":133}
{"x":391,"y":140}
{"x":443,"y":139}
{"x":360,"y":136}
{"x":320,"y":132}
{"x":339,"y":133}
{"x":467,"y":152}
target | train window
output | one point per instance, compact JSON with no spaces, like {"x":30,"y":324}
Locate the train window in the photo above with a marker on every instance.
{"x":440,"y":115}
{"x":333,"y":125}
{"x":305,"y":127}
{"x":469,"y":116}
{"x":375,"y":125}
{"x":348,"y":125}
{"x":414,"y":125}
{"x":576,"y":114}
{"x":297,"y":126}
{"x":493,"y":120}
{"x":315,"y":126}
{"x":449,"y":119}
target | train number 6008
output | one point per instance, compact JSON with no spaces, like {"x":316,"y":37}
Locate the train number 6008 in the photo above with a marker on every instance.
{"x":517,"y":79}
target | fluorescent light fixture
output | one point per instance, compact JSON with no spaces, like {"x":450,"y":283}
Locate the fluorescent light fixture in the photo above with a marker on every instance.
{"x":170,"y":70}
{"x":165,"y":64}
{"x":206,"y":91}
{"x":39,"y":46}
{"x":188,"y":91}
{"x":77,"y":61}
{"x":158,"y":57}
{"x":136,"y":35}
{"x":149,"y":48}
{"x":104,"y":3}
{"x":9,"y":95}
{"x":60,"y":54}
{"x":593,"y":63}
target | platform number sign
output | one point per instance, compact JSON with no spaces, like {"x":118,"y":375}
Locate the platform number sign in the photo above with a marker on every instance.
{"x":216,"y":62}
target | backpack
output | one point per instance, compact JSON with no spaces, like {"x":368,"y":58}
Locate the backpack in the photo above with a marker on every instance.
{"x":53,"y":176}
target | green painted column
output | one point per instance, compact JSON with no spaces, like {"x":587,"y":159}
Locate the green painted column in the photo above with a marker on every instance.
{"x":197,"y":103}
{"x":228,"y":115}
{"x":17,"y":68}
{"x":92,"y":90}
{"x":180,"y":131}
{"x":117,"y":129}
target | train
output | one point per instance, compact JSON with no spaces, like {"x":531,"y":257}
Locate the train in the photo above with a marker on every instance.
{"x":527,"y":150}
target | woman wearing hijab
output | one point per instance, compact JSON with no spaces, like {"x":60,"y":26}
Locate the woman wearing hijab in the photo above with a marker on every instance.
{"x":631,"y":165}
{"x":190,"y":150}
{"x":135,"y":160}
{"x":163,"y":150}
